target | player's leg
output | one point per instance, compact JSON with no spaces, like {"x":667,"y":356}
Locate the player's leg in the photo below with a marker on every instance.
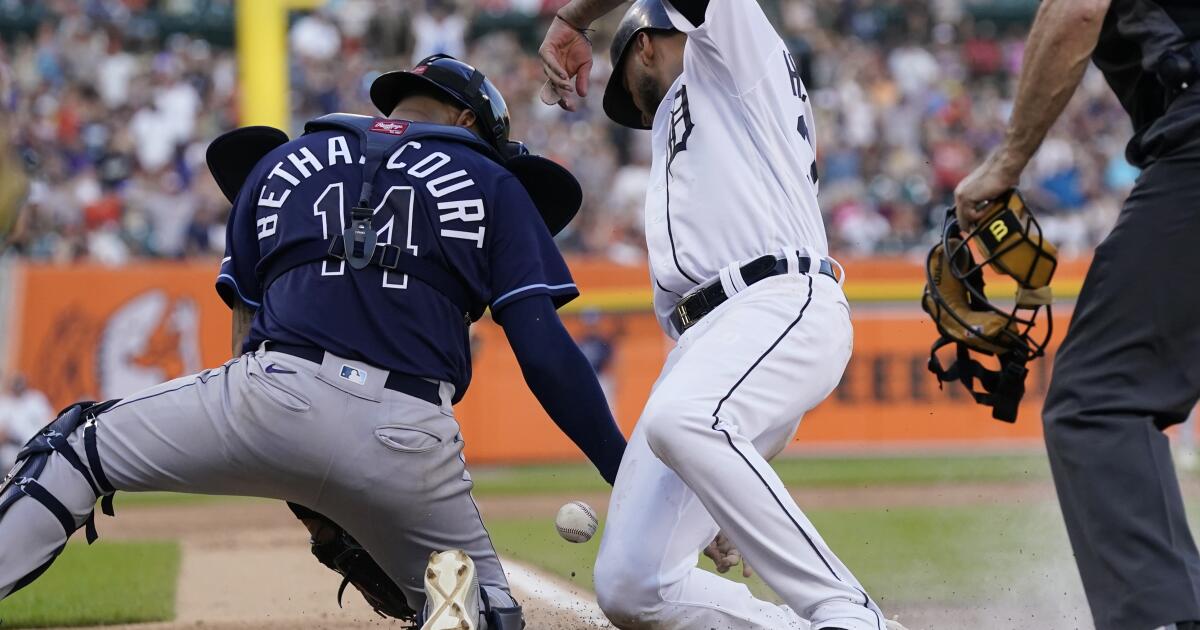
{"x":405,"y":494}
{"x":1126,"y":370}
{"x":161,"y":438}
{"x":751,"y":368}
{"x":646,"y":574}
{"x":238,"y":429}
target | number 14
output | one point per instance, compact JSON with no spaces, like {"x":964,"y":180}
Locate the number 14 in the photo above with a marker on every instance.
{"x":399,"y":202}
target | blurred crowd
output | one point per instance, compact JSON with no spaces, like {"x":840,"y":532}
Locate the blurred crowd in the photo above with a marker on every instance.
{"x":113,"y":104}
{"x":23,"y":412}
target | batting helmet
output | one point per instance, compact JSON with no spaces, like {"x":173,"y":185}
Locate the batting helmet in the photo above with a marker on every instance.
{"x":461,"y":82}
{"x":644,"y":15}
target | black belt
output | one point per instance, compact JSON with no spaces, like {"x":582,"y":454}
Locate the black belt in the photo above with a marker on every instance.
{"x":396,"y":381}
{"x":693,"y":307}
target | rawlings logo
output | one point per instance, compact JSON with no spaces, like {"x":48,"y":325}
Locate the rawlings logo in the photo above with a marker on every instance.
{"x":392,"y":127}
{"x":419,"y":70}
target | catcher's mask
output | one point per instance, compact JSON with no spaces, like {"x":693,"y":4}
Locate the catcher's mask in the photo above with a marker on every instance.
{"x":1009,"y":240}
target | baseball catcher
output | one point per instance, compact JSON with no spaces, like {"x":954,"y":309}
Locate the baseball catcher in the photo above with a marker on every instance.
{"x":357,"y":256}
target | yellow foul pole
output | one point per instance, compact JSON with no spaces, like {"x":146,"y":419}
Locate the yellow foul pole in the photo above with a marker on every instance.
{"x":261,"y":38}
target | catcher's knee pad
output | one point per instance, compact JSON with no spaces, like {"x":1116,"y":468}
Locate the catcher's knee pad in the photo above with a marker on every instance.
{"x":22,"y":481}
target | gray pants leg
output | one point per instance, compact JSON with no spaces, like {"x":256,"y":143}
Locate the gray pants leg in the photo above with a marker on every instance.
{"x":389,"y":470}
{"x":1128,"y":368}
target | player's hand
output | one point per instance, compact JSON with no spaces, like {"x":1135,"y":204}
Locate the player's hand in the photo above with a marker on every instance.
{"x":567,"y":61}
{"x":990,"y":181}
{"x":726,"y":556}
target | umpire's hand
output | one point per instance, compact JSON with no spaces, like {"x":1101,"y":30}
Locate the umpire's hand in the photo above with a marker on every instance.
{"x":996,"y":176}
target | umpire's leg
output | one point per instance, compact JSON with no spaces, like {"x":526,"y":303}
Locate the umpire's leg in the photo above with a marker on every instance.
{"x":1128,"y":368}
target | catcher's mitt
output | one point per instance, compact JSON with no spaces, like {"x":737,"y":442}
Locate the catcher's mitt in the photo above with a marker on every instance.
{"x":337,"y":549}
{"x":1009,"y":241}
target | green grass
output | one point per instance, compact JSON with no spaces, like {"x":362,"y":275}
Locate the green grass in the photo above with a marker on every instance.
{"x":796,"y":472}
{"x":911,"y":555}
{"x":106,"y":583}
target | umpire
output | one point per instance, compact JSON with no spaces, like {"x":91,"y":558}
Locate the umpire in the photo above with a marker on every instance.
{"x":1129,"y":366}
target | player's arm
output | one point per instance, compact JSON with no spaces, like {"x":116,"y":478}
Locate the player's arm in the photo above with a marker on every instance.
{"x":562,"y":380}
{"x":1061,"y":41}
{"x":567,"y":52}
{"x":243,"y":316}
{"x":529,"y":280}
{"x":237,"y":282}
{"x":733,"y":39}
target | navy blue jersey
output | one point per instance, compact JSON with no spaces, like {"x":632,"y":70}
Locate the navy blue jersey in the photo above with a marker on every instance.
{"x":439,"y":199}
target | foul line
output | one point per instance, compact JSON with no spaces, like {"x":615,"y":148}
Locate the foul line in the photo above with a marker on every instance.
{"x":531,"y":584}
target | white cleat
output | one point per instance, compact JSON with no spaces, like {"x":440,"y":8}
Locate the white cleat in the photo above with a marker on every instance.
{"x":451,"y":592}
{"x":892,"y":624}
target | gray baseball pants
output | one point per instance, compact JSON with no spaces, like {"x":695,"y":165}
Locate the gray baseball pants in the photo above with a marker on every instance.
{"x":1128,"y":368}
{"x":385,"y":466}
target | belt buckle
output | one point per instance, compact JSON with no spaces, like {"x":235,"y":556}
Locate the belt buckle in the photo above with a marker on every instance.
{"x":685,"y":318}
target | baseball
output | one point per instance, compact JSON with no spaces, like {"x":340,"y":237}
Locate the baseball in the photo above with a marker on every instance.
{"x":576,"y":522}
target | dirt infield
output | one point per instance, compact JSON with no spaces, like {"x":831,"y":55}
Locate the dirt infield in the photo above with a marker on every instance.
{"x":246,"y":563}
{"x":224,"y":523}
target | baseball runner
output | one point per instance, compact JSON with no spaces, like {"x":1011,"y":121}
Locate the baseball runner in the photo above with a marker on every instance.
{"x":357,"y":256}
{"x":742,"y":279}
{"x":1127,"y":368}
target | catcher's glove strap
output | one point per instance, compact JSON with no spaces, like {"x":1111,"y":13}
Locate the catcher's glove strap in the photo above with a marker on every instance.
{"x":414,"y":386}
{"x":693,"y":307}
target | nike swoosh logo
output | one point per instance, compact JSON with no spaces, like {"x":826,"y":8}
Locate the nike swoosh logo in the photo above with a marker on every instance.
{"x":271,"y":369}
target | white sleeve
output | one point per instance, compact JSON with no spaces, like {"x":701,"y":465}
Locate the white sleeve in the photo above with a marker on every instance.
{"x":736,"y":37}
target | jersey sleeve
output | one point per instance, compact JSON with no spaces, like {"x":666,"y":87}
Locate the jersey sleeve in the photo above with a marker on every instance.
{"x":522,"y":256}
{"x":237,"y":280}
{"x":733,"y":38}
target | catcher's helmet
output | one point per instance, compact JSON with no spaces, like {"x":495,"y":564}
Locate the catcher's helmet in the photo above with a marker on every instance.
{"x":458,"y":80}
{"x":1009,"y":240}
{"x":644,"y":15}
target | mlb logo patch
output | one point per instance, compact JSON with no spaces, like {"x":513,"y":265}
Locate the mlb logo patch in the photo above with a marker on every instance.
{"x":354,"y":375}
{"x":392,"y":127}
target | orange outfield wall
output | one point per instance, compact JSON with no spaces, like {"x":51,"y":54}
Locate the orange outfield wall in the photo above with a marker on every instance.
{"x":93,"y":332}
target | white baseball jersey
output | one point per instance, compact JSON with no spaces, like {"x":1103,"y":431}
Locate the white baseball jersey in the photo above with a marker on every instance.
{"x":733,"y":179}
{"x":734,"y":173}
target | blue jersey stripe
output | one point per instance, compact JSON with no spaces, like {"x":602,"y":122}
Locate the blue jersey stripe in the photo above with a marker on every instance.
{"x":245,"y":299}
{"x":556,"y":287}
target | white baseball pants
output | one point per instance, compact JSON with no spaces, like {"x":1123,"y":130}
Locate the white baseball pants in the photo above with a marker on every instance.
{"x":730,"y":397}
